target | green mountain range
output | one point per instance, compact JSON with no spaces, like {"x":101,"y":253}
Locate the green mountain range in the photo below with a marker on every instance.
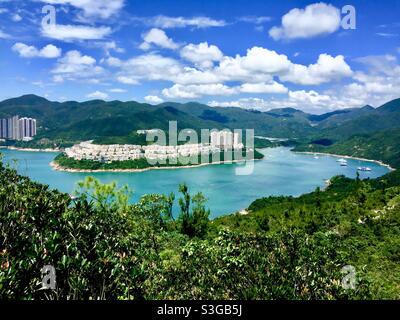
{"x":97,"y":118}
{"x":354,"y":131}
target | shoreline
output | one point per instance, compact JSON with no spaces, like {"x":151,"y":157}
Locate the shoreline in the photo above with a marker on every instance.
{"x":347,"y":157}
{"x":30,"y":149}
{"x":57,"y":167}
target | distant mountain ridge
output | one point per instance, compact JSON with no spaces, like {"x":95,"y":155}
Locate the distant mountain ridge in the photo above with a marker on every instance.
{"x":72,"y":120}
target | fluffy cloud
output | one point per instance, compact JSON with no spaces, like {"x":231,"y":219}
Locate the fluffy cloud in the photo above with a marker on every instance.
{"x":192,"y":91}
{"x":309,"y":97}
{"x":257,"y":70}
{"x":98,"y":95}
{"x":244,"y":103}
{"x":308,"y":101}
{"x":25,"y":51}
{"x":326,"y":69}
{"x":127,"y":80}
{"x":75,"y":66}
{"x":159,"y":38}
{"x":202,"y":54}
{"x":117,"y":90}
{"x":93,"y":8}
{"x":380,"y":82}
{"x":166,"y":22}
{"x":178,"y":91}
{"x":316,"y":19}
{"x":153,"y":99}
{"x":75,"y":32}
{"x":108,"y":46}
{"x":258,"y":65}
{"x":273,"y":87}
{"x":149,"y":67}
{"x":381,"y":64}
{"x":113,"y":62}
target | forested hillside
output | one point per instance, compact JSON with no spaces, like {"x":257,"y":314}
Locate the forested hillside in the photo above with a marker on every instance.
{"x":383,"y":146}
{"x":69,"y":122}
{"x":102,"y":247}
{"x":362,"y":216}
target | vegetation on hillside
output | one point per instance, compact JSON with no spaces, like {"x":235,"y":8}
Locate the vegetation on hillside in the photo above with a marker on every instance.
{"x":63,"y":124}
{"x":383,"y":146}
{"x":132,"y":138}
{"x":104,"y":247}
{"x":70,"y":163}
{"x":363,"y":216}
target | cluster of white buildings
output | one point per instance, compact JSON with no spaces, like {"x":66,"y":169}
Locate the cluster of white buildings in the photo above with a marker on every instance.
{"x":109,"y":153}
{"x":16,"y":128}
{"x":225,"y":139}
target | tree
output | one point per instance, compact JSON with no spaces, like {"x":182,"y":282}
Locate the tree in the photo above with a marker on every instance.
{"x":193,"y":222}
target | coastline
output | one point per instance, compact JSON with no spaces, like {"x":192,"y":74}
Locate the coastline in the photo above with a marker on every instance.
{"x":57,"y":167}
{"x":30,"y":149}
{"x":347,"y":157}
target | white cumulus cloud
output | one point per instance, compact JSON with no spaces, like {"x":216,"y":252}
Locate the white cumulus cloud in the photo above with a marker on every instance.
{"x":98,"y":95}
{"x":316,"y":19}
{"x":326,"y":69}
{"x":202,"y":54}
{"x":158,"y":38}
{"x":25,"y":51}
{"x":75,"y":66}
{"x":93,"y":8}
{"x":75,"y":32}
{"x":153,"y":99}
{"x":179,"y":91}
{"x":273,"y":87}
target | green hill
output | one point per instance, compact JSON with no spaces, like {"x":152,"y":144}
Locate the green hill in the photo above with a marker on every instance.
{"x":69,"y":122}
{"x":92,"y":119}
{"x":383,"y":146}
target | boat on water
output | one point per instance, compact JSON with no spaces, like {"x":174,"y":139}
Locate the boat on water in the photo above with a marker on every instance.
{"x":342,"y":162}
{"x":364,"y":169}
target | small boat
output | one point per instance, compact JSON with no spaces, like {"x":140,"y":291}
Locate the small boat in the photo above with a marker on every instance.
{"x":342,"y":162}
{"x":316,"y":157}
{"x":364,"y":169}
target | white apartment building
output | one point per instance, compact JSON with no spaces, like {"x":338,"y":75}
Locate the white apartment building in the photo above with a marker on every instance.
{"x":108,"y":153}
{"x":225,"y":139}
{"x":17,"y":129}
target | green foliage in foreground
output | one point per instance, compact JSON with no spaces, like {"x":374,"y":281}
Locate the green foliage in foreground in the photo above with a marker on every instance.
{"x":363,"y":216}
{"x":103,"y":247}
{"x":142,"y":163}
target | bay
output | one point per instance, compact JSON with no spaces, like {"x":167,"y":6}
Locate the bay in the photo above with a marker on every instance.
{"x":281,"y":172}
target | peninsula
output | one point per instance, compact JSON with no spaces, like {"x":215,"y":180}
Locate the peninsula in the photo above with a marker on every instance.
{"x":87,"y":156}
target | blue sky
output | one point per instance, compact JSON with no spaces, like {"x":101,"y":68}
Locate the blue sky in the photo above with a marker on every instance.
{"x":249,"y":54}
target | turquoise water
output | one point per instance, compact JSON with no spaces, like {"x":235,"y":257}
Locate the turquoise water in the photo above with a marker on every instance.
{"x":282,"y":172}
